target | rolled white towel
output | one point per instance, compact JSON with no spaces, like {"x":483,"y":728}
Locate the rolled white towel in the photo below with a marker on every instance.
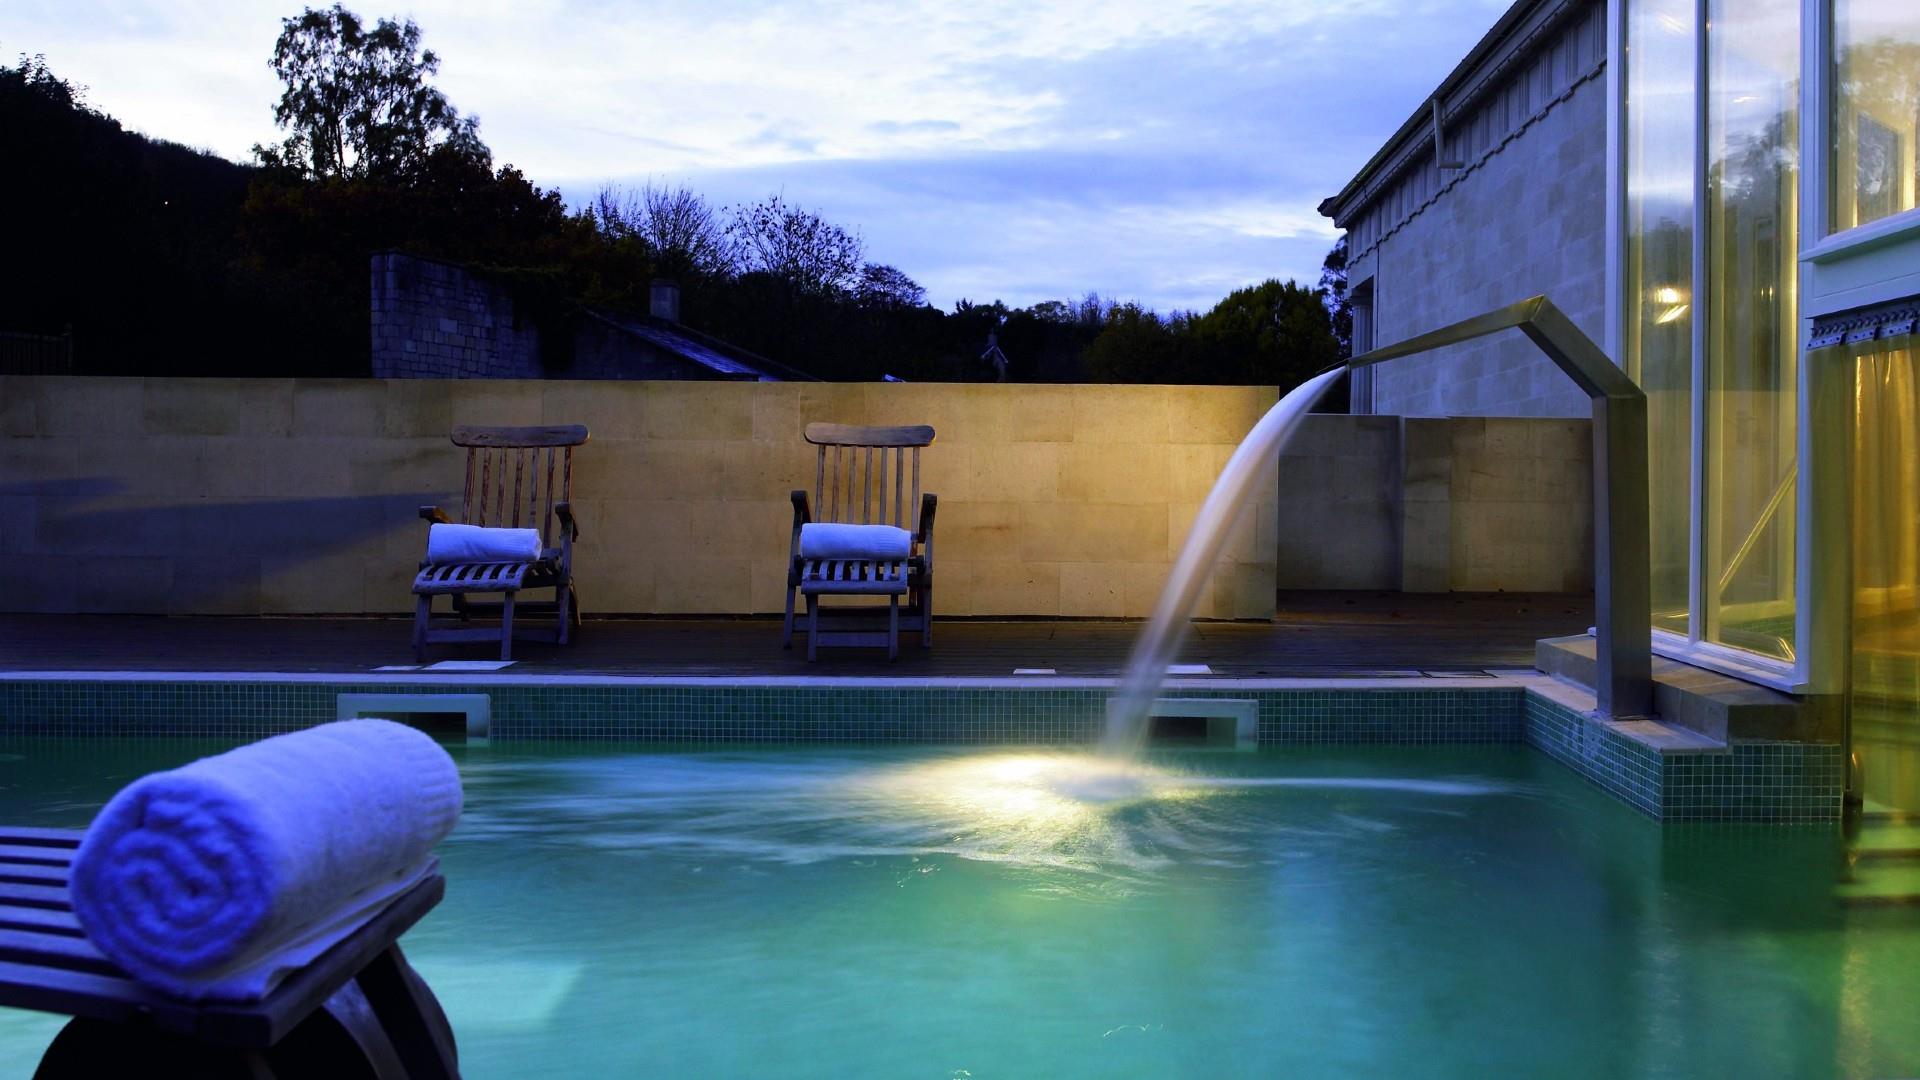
{"x":822,"y":540}
{"x":217,"y":879}
{"x":479,"y":544}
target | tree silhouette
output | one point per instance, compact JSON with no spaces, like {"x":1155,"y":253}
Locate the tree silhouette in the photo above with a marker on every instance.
{"x":811,"y":255}
{"x":680,"y":230}
{"x":356,"y":101}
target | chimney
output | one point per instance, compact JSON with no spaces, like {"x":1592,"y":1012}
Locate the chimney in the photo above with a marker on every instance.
{"x":664,"y":300}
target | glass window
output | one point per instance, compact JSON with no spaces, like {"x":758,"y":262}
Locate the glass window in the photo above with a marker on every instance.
{"x":1751,"y":327}
{"x":1876,"y":109}
{"x":1659,"y":284}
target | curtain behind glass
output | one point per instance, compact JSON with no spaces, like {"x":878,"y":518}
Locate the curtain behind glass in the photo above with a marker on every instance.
{"x":1884,"y":691}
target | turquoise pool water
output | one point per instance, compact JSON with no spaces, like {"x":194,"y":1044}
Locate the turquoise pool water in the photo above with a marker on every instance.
{"x":796,"y":912}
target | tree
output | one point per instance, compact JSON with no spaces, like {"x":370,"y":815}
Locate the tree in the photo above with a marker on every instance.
{"x":356,"y":102}
{"x":883,"y":287}
{"x":1333,"y":293}
{"x":34,"y":79}
{"x":677,"y":225}
{"x":813,"y":256}
{"x":1273,"y":332}
{"x":1134,"y":346}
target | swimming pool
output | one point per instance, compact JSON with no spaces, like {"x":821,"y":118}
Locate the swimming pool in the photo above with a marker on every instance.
{"x":914,"y":911}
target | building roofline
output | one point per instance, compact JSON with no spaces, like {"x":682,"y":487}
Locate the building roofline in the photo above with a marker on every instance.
{"x":1511,"y":37}
{"x":764,"y":367}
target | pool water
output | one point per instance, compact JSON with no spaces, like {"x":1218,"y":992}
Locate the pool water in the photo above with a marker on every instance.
{"x":946,"y":913}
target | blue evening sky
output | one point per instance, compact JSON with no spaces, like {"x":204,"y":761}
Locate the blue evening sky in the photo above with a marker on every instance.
{"x":1155,"y":150}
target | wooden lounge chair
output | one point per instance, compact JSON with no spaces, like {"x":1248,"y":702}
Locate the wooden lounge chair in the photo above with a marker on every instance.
{"x":853,"y":488}
{"x":357,"y":1011}
{"x":527,"y":501}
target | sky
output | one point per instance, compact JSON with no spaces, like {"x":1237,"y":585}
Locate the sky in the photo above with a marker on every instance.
{"x":1160,"y":151}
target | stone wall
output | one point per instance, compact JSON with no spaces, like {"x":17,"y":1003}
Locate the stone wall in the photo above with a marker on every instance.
{"x":1526,"y":216}
{"x":294,"y":496}
{"x":432,"y":320}
{"x":1460,"y":504}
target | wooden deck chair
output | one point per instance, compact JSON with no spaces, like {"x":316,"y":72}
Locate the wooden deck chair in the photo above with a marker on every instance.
{"x":537,"y":496}
{"x":358,"y":1009}
{"x":861,"y":477}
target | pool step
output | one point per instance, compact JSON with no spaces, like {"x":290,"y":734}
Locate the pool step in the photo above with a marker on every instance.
{"x":1885,"y":886}
{"x":1888,"y":840}
{"x":1885,"y":859}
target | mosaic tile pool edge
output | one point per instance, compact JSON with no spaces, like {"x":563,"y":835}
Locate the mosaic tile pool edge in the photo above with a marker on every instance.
{"x":710,"y":713}
{"x":1771,"y":782}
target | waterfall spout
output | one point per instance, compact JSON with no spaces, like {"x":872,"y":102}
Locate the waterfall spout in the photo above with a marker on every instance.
{"x":1160,"y":641}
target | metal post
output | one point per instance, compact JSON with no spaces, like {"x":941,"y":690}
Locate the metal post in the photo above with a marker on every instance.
{"x":1622,"y":575}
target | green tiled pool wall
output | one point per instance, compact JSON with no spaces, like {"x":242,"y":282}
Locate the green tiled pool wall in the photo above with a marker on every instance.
{"x":1778,"y":782}
{"x":1757,"y":781}
{"x":720,"y":713}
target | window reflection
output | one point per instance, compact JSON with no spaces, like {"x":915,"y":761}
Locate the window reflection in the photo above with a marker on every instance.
{"x":1876,"y":109}
{"x":1751,"y":323}
{"x":1659,"y":266}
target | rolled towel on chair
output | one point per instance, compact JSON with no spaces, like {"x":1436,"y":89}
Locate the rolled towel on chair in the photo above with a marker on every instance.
{"x":217,"y":879}
{"x":480,"y":544}
{"x":822,"y":540}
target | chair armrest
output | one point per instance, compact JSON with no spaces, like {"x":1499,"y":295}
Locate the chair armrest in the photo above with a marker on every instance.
{"x":801,"y":516}
{"x":569,"y":528}
{"x":928,"y":504}
{"x":435,"y":514}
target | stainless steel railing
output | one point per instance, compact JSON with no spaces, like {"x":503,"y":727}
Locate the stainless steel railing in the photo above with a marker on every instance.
{"x":1624,"y":650}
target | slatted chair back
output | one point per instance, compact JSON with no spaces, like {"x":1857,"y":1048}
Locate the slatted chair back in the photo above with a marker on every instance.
{"x":540,"y":460}
{"x":861,"y":474}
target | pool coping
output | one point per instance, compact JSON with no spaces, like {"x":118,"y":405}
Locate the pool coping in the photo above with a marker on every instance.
{"x":1668,"y":772}
{"x":951,"y":682}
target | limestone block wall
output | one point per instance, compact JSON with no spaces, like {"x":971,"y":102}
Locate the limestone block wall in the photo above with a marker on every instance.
{"x":1528,"y":217}
{"x":432,"y":320}
{"x":1451,"y":504}
{"x":294,"y":496}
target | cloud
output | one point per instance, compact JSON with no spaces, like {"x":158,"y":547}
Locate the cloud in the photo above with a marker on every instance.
{"x":1165,"y":150}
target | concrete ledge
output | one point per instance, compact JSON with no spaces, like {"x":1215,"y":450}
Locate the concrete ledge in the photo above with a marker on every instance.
{"x":1722,"y":708}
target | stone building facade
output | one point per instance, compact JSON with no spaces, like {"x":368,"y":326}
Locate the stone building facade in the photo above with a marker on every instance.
{"x":1514,"y":205}
{"x":437,"y":320}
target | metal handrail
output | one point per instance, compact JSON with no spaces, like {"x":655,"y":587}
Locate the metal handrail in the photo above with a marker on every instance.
{"x":1624,"y":686}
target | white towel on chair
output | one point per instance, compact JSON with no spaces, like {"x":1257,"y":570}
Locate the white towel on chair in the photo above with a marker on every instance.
{"x":821,"y":540}
{"x":480,"y":544}
{"x":217,"y":879}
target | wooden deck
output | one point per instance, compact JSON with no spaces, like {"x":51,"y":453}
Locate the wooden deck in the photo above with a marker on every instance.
{"x":1329,"y":633}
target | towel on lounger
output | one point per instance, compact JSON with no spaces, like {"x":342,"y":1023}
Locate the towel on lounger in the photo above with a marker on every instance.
{"x":217,"y":879}
{"x":480,"y":544}
{"x":821,"y":540}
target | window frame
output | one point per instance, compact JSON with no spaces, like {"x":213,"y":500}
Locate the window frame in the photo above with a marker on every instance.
{"x":1817,"y":665}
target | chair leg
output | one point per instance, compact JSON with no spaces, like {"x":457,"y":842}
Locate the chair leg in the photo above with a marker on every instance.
{"x":506,"y":626}
{"x":563,"y":600}
{"x":893,"y":627}
{"x":926,"y":617}
{"x":410,"y":1016}
{"x":786,"y":633}
{"x":813,"y":628}
{"x":422,"y":611}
